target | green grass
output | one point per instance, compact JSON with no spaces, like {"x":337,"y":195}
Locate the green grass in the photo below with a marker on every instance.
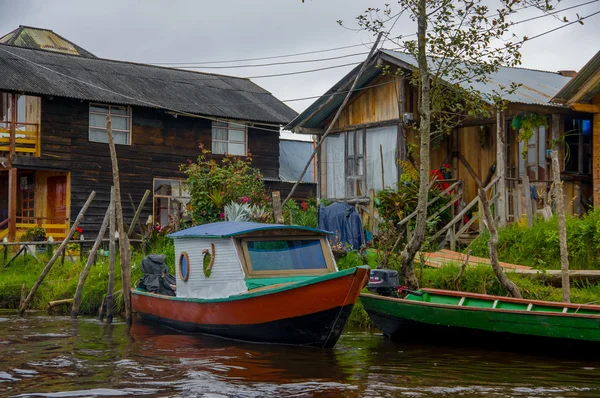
{"x":61,"y":282}
{"x":538,"y":246}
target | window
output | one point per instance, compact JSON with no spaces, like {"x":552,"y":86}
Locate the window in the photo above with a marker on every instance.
{"x":578,"y":146}
{"x":229,"y":137}
{"x":6,"y":110}
{"x":121,"y":123}
{"x":295,"y":255}
{"x":355,"y":163}
{"x":170,"y":199}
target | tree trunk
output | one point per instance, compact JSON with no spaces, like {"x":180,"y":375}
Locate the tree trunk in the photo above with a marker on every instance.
{"x":112,"y":253}
{"x":562,"y":228}
{"x":414,"y":244}
{"x":124,"y":249}
{"x":493,"y":248}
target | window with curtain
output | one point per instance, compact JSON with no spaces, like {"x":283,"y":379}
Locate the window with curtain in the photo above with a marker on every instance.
{"x":578,"y":146}
{"x":229,"y":137}
{"x":121,"y":123}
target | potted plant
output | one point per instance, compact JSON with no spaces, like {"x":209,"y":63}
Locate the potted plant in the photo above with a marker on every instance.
{"x":35,"y":234}
{"x":74,"y":248}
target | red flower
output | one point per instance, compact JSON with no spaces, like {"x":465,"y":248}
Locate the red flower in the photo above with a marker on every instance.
{"x":304,"y":206}
{"x":78,"y":229}
{"x":222,"y":215}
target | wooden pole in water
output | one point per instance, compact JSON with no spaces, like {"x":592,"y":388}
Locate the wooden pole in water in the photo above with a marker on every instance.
{"x":124,"y":248}
{"x":86,"y":270}
{"x":61,"y":248}
{"x":112,"y":249}
{"x":562,"y":229}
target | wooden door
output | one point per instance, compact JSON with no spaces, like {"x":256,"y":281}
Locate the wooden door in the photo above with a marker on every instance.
{"x":57,"y":199}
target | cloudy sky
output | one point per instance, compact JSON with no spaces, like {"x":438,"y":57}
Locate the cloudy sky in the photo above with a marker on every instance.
{"x":153,"y":31}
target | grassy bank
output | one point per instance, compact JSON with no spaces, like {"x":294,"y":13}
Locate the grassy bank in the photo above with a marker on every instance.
{"x":538,"y":246}
{"x":62,"y":280}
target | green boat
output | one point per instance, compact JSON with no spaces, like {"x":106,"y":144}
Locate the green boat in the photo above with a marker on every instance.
{"x":442,"y":313}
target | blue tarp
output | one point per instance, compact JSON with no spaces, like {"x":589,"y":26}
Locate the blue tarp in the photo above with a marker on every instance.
{"x":227,"y":229}
{"x":344,"y":221}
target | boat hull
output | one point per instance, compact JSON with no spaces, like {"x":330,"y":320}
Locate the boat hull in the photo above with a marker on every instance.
{"x":405,"y":319}
{"x":309,"y":313}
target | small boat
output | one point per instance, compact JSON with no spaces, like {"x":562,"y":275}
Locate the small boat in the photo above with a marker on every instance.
{"x":443,"y":313}
{"x":264,"y":283}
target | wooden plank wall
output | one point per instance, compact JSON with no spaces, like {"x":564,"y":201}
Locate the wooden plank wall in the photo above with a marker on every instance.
{"x":160,"y":144}
{"x":596,"y":153}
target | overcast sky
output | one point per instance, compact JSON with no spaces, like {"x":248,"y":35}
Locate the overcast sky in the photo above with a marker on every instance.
{"x":153,"y":31}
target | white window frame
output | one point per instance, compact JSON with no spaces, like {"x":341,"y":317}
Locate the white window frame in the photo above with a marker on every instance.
{"x":110,"y":108}
{"x":230,"y":125}
{"x":182,"y":196}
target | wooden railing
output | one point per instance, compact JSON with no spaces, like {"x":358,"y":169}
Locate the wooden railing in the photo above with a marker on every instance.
{"x":26,"y":138}
{"x":4,"y":228}
{"x":456,"y":228}
{"x":57,"y":228}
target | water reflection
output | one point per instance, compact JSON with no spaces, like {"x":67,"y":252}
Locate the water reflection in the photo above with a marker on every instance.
{"x":59,"y":357}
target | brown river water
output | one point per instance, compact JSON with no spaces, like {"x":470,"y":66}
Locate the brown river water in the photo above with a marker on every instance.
{"x":50,"y":356}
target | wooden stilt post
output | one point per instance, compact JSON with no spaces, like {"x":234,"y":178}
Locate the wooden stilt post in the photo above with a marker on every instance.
{"x":138,"y":211}
{"x":501,"y":169}
{"x":277,"y":211}
{"x":86,"y":270}
{"x":61,"y":248}
{"x":12,"y":204}
{"x":124,"y":248}
{"x":112,"y":250}
{"x":562,"y":229}
{"x":528,"y":204}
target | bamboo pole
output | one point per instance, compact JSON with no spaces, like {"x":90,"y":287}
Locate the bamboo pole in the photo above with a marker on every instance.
{"x":277,"y":211}
{"x":112,"y":249}
{"x":86,"y":270}
{"x":562,"y":229}
{"x":62,"y":247}
{"x":124,"y":248}
{"x":138,"y":211}
{"x":501,"y":168}
{"x":335,"y":118}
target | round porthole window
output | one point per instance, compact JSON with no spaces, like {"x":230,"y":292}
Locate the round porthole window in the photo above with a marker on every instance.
{"x":184,"y":266}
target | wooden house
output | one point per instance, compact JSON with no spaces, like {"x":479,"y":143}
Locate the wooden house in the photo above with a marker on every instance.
{"x":54,"y":99}
{"x":376,"y":130}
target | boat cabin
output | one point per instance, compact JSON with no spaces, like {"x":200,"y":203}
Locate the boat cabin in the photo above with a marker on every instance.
{"x":224,"y":259}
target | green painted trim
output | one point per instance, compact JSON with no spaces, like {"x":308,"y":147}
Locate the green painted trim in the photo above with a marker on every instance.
{"x":243,"y":296}
{"x":255,"y":283}
{"x":510,"y":318}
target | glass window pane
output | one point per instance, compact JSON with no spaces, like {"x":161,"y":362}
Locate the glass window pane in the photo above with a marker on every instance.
{"x":99,"y":108}
{"x":237,"y":149}
{"x":98,"y":135}
{"x":277,"y":255}
{"x":120,"y":137}
{"x":237,"y":135}
{"x":97,"y":120}
{"x":219,"y":134}
{"x":118,"y":110}
{"x":120,"y":123}
{"x":360,"y":150}
{"x":350,"y":143}
{"x":219,"y":147}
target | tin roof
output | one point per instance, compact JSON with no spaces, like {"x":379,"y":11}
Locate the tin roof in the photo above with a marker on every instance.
{"x":585,"y":75}
{"x":43,"y":39}
{"x":227,"y":229}
{"x":40,"y":72}
{"x":536,"y":87}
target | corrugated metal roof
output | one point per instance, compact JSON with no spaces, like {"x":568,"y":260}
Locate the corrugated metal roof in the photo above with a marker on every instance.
{"x":117,"y":82}
{"x":537,"y":87}
{"x":585,"y":74}
{"x":293,"y":156}
{"x":43,"y":39}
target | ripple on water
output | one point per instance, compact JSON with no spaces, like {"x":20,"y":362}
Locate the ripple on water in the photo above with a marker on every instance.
{"x":95,"y":392}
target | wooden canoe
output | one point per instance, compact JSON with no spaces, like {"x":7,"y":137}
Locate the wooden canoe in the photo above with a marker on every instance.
{"x":439,"y":312}
{"x":310,"y":312}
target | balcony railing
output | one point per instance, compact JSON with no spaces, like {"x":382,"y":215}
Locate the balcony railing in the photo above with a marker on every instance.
{"x":26,"y":138}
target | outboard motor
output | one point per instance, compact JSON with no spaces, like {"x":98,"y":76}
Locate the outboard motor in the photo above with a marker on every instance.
{"x":384,"y":282}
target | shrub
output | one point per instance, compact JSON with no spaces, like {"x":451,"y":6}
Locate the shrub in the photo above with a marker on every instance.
{"x":214,"y":183}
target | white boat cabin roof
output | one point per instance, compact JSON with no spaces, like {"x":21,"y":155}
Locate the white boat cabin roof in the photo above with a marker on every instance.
{"x":228,"y":229}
